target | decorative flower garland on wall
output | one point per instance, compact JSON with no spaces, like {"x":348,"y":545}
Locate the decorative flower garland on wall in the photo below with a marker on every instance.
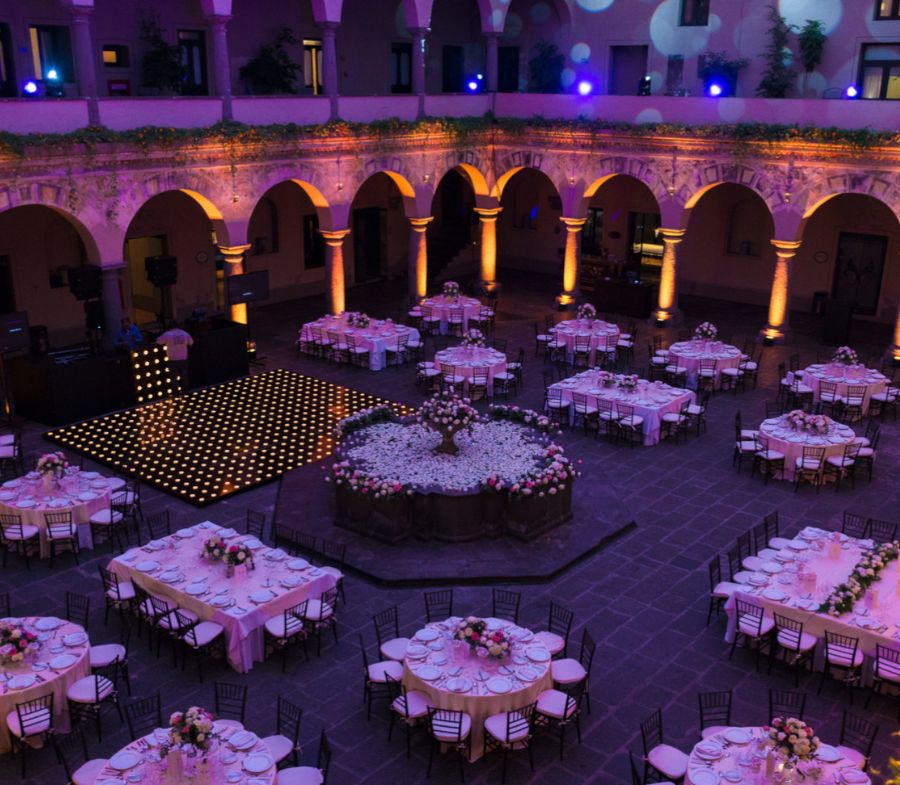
{"x":845,"y":595}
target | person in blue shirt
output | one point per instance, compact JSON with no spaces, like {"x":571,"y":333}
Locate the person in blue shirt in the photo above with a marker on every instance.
{"x":129,"y":337}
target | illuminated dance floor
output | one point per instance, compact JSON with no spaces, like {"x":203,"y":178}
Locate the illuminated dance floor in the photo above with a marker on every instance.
{"x":221,"y":440}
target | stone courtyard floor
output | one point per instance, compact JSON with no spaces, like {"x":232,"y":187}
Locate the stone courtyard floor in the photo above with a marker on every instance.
{"x":643,"y":598}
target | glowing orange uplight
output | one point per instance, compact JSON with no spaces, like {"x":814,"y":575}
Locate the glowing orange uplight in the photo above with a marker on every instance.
{"x":668,"y":272}
{"x":234,"y":265}
{"x":334,"y":263}
{"x":488,"y":218}
{"x":571,"y":260}
{"x":778,"y":300}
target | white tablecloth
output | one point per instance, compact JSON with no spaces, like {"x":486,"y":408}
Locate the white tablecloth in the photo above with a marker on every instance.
{"x":791,"y":443}
{"x":597,"y":331}
{"x":748,"y":758}
{"x":688,"y":354}
{"x":46,"y":680}
{"x":441,"y":305}
{"x":81,"y":493}
{"x":467,"y":360}
{"x":222,"y":759}
{"x":446,"y":656}
{"x":831,"y":564}
{"x":243,"y":620}
{"x":844,"y":376}
{"x":651,"y":400}
{"x":377,"y":337}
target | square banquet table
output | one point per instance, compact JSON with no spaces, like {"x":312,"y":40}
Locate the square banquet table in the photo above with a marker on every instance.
{"x":377,"y":337}
{"x":651,"y":400}
{"x":173,"y":568}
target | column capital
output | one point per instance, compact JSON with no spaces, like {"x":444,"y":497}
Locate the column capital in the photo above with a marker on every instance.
{"x":81,"y":14}
{"x":334,"y":238}
{"x":420,"y":224}
{"x":491,"y":34}
{"x":488,"y":213}
{"x":234,"y":254}
{"x":218,"y":20}
{"x":573,"y":224}
{"x":671,"y":235}
{"x":113,"y":269}
{"x":785,"y":249}
{"x":416,"y":31}
{"x":329,"y":28}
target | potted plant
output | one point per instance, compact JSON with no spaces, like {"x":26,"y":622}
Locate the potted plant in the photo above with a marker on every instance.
{"x":778,"y":76}
{"x":718,"y":69}
{"x":545,"y":68}
{"x":811,"y":42}
{"x":161,"y":70}
{"x":272,"y":71}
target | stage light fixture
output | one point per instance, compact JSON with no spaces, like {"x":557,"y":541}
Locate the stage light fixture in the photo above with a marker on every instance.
{"x":30,"y":88}
{"x":852,"y":91}
{"x":585,"y":87}
{"x":714,"y":90}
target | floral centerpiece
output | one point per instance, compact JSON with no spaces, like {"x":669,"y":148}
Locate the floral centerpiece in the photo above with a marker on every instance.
{"x":236,"y":555}
{"x":605,"y":378}
{"x":845,"y":595}
{"x":706,"y":331}
{"x":15,"y":642}
{"x":473,"y":337}
{"x":448,"y":414}
{"x":799,"y":420}
{"x":793,"y":739}
{"x":451,"y":289}
{"x":628,"y":381}
{"x":586,"y":311}
{"x":355,"y":319}
{"x":548,"y":480}
{"x":214,"y":548}
{"x":52,"y":463}
{"x":845,"y":356}
{"x":192,"y":728}
{"x":474,"y":632}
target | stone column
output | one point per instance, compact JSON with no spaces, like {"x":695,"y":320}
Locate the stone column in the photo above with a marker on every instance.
{"x":779,"y":304}
{"x":334,"y":268}
{"x":667,"y":305}
{"x":492,"y":66}
{"x":418,"y":257}
{"x":330,"y":66}
{"x":234,"y":265}
{"x":418,"y":66}
{"x":488,"y":273}
{"x":218,"y":25}
{"x":571,"y":261}
{"x":895,"y":348}
{"x":85,"y":67}
{"x":112,"y":276}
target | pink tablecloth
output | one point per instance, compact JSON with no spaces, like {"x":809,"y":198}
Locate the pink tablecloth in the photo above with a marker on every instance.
{"x":466,"y":360}
{"x":526,"y":673}
{"x":598,"y":332}
{"x":46,"y":680}
{"x":873,"y":621}
{"x":791,"y":443}
{"x":844,"y":376}
{"x":377,"y":337}
{"x":651,"y":400}
{"x":440,"y":307}
{"x":688,"y":354}
{"x":243,"y":619}
{"x":81,"y":493}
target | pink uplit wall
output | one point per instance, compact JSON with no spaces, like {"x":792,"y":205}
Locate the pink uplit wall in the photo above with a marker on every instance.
{"x":458,"y":105}
{"x":54,"y":117}
{"x":274,"y":110}
{"x":123,"y":113}
{"x":378,"y":107}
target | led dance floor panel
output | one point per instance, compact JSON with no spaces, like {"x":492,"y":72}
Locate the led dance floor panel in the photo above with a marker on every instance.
{"x":218,"y":441}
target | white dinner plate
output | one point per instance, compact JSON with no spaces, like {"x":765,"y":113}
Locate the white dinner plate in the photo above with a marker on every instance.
{"x":853,"y":776}
{"x":828,"y":754}
{"x":416,"y":651}
{"x":499,"y":685}
{"x":771,"y":567}
{"x":62,"y":662}
{"x":708,"y":750}
{"x":704,"y":777}
{"x":257,"y":763}
{"x":169,"y":576}
{"x":233,"y":776}
{"x":184,"y":534}
{"x":12,"y":483}
{"x":21,"y":682}
{"x":798,"y":545}
{"x":276,"y":554}
{"x":737,"y":736}
{"x":156,"y":545}
{"x":757,"y":579}
{"x":226,"y":534}
{"x":776,"y":595}
{"x":75,"y":639}
{"x":243,"y":739}
{"x":195,"y":589}
{"x":806,"y":604}
{"x":48,"y":623}
{"x":536,"y":654}
{"x":528,"y":673}
{"x":427,"y":634}
{"x":124,"y":760}
{"x":428,"y":673}
{"x":87,"y":496}
{"x":90,"y":475}
{"x":291,"y":581}
{"x":7,"y":495}
{"x":732,"y":775}
{"x":100,"y":485}
{"x":297,"y":564}
{"x":261,"y":595}
{"x":221,"y":601}
{"x":148,"y":565}
{"x":25,"y":503}
{"x":459,"y":684}
{"x":253,"y":544}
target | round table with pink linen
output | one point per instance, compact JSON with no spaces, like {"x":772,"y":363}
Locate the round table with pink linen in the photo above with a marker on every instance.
{"x":80,"y":493}
{"x":845,"y":376}
{"x":742,"y":755}
{"x":689,"y":354}
{"x":468,"y":359}
{"x":598,"y":333}
{"x":784,"y":439}
{"x":378,"y":337}
{"x":62,"y":658}
{"x":452,"y":677}
{"x":440,"y":306}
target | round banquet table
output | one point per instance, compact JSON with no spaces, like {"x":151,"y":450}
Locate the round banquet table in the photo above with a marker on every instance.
{"x":36,"y":676}
{"x":441,"y":305}
{"x":790,"y":442}
{"x":142,"y":757}
{"x":844,"y":376}
{"x":377,"y":337}
{"x":462,"y":681}
{"x":600,"y":333}
{"x":690,"y":353}
{"x":738,"y":755}
{"x":81,"y":493}
{"x":468,"y":359}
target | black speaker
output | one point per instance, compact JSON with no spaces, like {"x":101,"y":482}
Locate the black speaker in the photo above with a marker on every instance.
{"x":85,"y":283}
{"x":93,"y":315}
{"x":161,"y":270}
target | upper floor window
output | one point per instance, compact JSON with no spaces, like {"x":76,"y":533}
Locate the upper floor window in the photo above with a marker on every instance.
{"x":312,"y":65}
{"x":51,"y":51}
{"x":887,"y":9}
{"x":192,"y":44}
{"x":694,"y":13}
{"x":116,"y":56}
{"x":879,"y":71}
{"x":401,"y":67}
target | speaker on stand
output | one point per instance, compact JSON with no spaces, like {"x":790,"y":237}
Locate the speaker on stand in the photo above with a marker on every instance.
{"x":162,"y":272}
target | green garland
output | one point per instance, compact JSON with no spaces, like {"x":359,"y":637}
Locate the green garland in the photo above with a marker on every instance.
{"x":231,"y":133}
{"x":845,"y":595}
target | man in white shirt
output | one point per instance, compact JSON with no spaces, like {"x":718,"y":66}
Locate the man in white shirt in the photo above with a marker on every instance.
{"x":177,"y":342}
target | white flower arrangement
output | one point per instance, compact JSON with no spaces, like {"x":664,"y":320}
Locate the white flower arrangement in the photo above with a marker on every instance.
{"x":473,"y":337}
{"x":193,"y":728}
{"x":364,"y":417}
{"x":549,"y":480}
{"x":706,"y":331}
{"x":628,"y":381}
{"x":236,"y":555}
{"x":52,"y":463}
{"x":799,"y":420}
{"x":530,"y":417}
{"x":845,"y":595}
{"x":792,"y":738}
{"x":845,"y":356}
{"x":451,"y":289}
{"x":356,"y":319}
{"x":586,"y":311}
{"x":447,"y":413}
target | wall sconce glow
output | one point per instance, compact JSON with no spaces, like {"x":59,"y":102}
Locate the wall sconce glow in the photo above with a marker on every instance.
{"x":473,"y":86}
{"x":30,"y":87}
{"x":851,"y":92}
{"x":585,"y":87}
{"x":479,"y":77}
{"x":52,"y":74}
{"x":714,"y":89}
